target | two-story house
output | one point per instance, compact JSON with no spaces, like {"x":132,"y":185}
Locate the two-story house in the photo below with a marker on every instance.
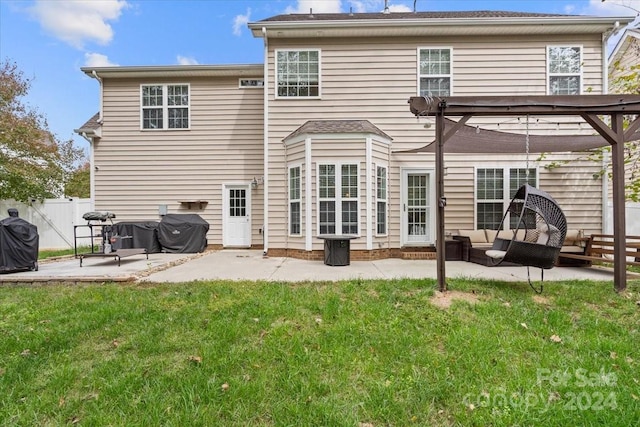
{"x":317,"y":140}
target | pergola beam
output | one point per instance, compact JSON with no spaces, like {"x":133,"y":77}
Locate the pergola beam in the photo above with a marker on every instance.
{"x":589,"y":107}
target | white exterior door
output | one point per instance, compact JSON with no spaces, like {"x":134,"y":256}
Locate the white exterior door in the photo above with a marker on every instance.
{"x":417,"y":207}
{"x":236,"y":228}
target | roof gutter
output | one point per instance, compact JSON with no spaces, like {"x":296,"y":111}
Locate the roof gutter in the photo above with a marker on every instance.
{"x":256,"y":27}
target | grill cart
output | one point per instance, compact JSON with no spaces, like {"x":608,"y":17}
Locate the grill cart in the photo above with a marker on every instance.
{"x":99,"y":234}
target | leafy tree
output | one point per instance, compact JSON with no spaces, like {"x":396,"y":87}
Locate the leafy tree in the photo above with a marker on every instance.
{"x":78,"y":184}
{"x":33,"y":163}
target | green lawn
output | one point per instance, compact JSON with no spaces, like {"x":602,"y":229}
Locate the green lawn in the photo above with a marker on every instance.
{"x":360,"y":353}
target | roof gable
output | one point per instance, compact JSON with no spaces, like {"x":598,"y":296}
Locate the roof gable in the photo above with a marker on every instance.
{"x":629,"y":37}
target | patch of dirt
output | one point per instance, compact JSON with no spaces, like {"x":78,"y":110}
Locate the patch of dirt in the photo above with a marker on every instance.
{"x":541,"y":300}
{"x":444,"y":299}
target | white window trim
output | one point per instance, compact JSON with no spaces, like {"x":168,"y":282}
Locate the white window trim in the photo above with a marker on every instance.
{"x":260,"y":86}
{"x":275,"y":74}
{"x":450,"y":75}
{"x":290,"y":200}
{"x":338,"y":199}
{"x":385,"y":200}
{"x":548,"y":63}
{"x":506,"y":168}
{"x":165,"y":107}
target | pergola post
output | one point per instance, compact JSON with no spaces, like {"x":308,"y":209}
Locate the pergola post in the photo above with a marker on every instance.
{"x":441,"y":201}
{"x":619,"y":225}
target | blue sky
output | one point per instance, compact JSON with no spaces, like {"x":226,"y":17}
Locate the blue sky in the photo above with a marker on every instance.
{"x":51,"y":39}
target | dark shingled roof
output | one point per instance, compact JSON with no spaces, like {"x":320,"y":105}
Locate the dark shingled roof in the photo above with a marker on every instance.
{"x":91,"y":124}
{"x":337,"y":126}
{"x":306,"y":17}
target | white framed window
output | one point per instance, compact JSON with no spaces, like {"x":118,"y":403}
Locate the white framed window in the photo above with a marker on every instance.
{"x":164,"y":106}
{"x":298,"y":73}
{"x":495,"y":187}
{"x":564,"y":70}
{"x":338,"y":207}
{"x":251,"y":83}
{"x":295,"y":218}
{"x":381,"y":200}
{"x":435,"y":71}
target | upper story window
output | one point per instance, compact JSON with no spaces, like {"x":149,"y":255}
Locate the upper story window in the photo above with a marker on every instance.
{"x":298,"y":73}
{"x":165,"y":106}
{"x":434,"y":71}
{"x":564,"y":70}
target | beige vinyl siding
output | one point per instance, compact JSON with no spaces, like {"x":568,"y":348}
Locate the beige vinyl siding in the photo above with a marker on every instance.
{"x":142,"y":169}
{"x":626,"y":59}
{"x":373,"y":78}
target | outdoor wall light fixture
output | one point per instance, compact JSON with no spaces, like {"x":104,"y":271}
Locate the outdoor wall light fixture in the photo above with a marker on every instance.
{"x":256,"y":181}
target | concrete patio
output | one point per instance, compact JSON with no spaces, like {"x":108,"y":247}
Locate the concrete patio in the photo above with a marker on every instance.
{"x":251,"y":265}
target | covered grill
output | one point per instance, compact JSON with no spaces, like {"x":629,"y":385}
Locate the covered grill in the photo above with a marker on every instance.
{"x":19,"y":242}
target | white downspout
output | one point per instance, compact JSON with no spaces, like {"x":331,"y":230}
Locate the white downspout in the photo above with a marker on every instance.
{"x":606,"y":219}
{"x":92,"y":165}
{"x":265,"y":226}
{"x":95,"y":76}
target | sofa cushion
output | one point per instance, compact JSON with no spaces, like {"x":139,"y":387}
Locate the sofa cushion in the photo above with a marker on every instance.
{"x":572,"y":249}
{"x":572,"y":236}
{"x":503,"y":234}
{"x":475,"y":236}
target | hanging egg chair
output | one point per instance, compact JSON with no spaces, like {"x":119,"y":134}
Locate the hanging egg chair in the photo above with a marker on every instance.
{"x":539,"y":228}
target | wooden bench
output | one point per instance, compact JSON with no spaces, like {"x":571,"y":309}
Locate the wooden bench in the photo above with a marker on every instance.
{"x":599,"y":249}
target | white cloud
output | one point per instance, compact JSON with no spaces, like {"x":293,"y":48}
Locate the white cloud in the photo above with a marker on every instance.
{"x":97,"y":60}
{"x":240,"y":22}
{"x":399,"y":8}
{"x":186,"y":60}
{"x":318,"y":6}
{"x":78,"y":21}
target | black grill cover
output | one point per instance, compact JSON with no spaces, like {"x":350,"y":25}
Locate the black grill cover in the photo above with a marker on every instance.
{"x":139,"y":235}
{"x":183,"y":233}
{"x":18,"y":245}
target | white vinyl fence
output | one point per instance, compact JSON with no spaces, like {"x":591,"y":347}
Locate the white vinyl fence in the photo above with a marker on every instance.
{"x":632,"y":219}
{"x":54,"y":218}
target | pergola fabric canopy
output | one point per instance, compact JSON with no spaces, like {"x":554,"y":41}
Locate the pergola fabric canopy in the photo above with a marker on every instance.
{"x":471,"y":139}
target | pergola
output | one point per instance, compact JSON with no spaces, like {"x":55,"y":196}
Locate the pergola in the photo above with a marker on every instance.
{"x":589,"y":107}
